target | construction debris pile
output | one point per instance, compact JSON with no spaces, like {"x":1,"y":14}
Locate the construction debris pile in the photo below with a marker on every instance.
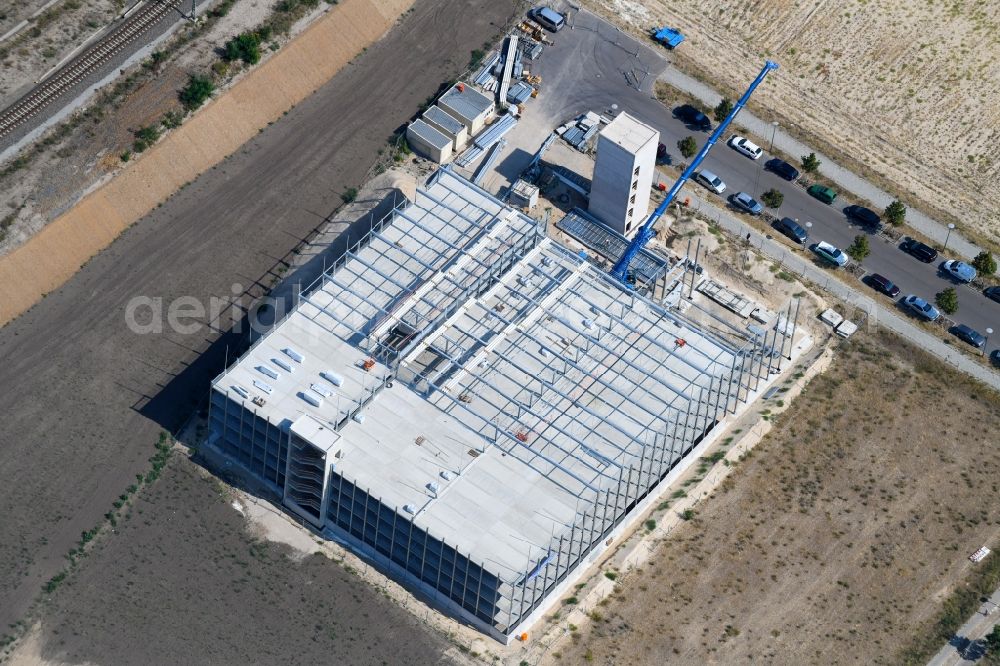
{"x":581,"y":131}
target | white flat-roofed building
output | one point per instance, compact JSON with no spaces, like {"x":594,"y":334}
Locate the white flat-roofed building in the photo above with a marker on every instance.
{"x":623,"y":173}
{"x":429,"y":142}
{"x":475,"y":408}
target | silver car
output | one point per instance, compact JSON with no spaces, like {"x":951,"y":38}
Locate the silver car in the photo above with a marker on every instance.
{"x":711,"y":181}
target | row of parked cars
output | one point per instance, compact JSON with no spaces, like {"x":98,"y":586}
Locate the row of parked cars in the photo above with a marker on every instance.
{"x":860,"y":215}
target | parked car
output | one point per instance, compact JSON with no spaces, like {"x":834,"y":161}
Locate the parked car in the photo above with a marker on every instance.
{"x":883,"y":284}
{"x":782,"y":168}
{"x":711,"y":181}
{"x":968,"y":334}
{"x":921,"y":307}
{"x":823,"y":193}
{"x":992,"y":293}
{"x":661,"y":153}
{"x":831,"y":253}
{"x":746,"y":147}
{"x":995,"y":357}
{"x":924,"y":253}
{"x":746,"y":203}
{"x":693,"y":117}
{"x":863,"y":216}
{"x":792,"y":229}
{"x":959,"y":270}
{"x":548,"y":18}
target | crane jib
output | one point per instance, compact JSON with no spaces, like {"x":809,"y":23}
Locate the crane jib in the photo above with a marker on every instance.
{"x":645,"y":233}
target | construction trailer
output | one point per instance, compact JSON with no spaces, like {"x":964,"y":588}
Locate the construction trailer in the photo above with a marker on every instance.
{"x":467,"y":105}
{"x":429,"y":142}
{"x":440,"y":120}
{"x":477,"y":410}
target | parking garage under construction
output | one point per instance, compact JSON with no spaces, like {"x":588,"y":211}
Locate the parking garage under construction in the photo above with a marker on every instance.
{"x":478,"y":410}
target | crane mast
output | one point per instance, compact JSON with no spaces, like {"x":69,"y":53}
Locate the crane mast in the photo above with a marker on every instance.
{"x":645,"y":233}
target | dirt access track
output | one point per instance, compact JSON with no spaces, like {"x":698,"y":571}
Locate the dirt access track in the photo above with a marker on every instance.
{"x":50,"y":258}
{"x":83,"y":397}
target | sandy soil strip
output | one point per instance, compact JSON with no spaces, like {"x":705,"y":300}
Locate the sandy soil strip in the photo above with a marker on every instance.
{"x":50,"y":258}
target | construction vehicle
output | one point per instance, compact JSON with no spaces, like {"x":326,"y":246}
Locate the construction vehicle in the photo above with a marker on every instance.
{"x":646,"y":232}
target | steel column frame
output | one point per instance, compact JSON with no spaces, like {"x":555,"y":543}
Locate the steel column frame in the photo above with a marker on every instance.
{"x":514,"y":439}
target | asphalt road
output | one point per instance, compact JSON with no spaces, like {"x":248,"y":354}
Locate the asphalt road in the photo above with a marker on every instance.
{"x":84,"y":397}
{"x":593,"y":66}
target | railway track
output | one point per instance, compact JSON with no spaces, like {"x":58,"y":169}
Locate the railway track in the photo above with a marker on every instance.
{"x":84,"y":64}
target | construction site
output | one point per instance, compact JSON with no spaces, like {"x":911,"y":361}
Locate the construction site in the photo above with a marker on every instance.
{"x":481,"y":411}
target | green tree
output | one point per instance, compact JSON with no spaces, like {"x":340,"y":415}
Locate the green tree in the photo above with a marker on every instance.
{"x":722,"y":110}
{"x":992,"y":641}
{"x":947,"y":300}
{"x":198,"y":89}
{"x":859,"y":248}
{"x":985,"y":263}
{"x":895,"y":213}
{"x":772,"y":198}
{"x":810,"y":163}
{"x":688,"y":146}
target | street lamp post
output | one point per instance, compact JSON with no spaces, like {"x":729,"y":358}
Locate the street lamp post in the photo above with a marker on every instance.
{"x":986,"y":343}
{"x":948,"y":237}
{"x":774,"y":127}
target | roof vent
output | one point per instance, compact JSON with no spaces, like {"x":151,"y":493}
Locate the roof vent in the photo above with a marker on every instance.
{"x":588,"y":323}
{"x":332,"y":377}
{"x":546,"y":261}
{"x":447,"y":475}
{"x":241,"y":391}
{"x":312,"y":398}
{"x":266,"y":388}
{"x":359,"y":417}
{"x":269,"y":371}
{"x":543,"y":352}
{"x":294,"y":355}
{"x":287,"y":367}
{"x":322,"y":390}
{"x":433,"y":487}
{"x":409,"y":508}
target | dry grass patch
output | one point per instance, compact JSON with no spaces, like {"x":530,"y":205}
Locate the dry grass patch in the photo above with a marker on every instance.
{"x":840,"y":537}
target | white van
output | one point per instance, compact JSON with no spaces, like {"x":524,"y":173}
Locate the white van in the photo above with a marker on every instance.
{"x":548,"y":18}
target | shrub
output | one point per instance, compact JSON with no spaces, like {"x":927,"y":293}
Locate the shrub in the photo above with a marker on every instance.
{"x":772,"y":198}
{"x":810,"y":163}
{"x":895,"y":213}
{"x":688,"y":146}
{"x":172,"y":119}
{"x":349,"y":195}
{"x":687,"y":514}
{"x":244,"y":46}
{"x":947,"y":300}
{"x":149,"y":134}
{"x":859,"y":248}
{"x":985,"y":263}
{"x":722,"y":109}
{"x":198,"y":89}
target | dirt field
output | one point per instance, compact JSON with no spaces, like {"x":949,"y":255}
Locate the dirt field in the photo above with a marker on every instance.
{"x":911,"y":93}
{"x":84,"y":397}
{"x":836,"y":541}
{"x":183,"y":582}
{"x":48,"y":259}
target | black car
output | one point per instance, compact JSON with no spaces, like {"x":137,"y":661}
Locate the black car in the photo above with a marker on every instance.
{"x":863,"y":216}
{"x":792,"y":229}
{"x":924,"y":253}
{"x":995,"y":356}
{"x":968,"y":334}
{"x":783,"y":169}
{"x":693,"y":117}
{"x":992,"y":293}
{"x":883,"y":284}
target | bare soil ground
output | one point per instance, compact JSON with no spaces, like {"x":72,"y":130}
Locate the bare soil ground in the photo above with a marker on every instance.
{"x":906,"y":89}
{"x":204,"y":140}
{"x":48,"y":38}
{"x":84,"y":397}
{"x":183,"y":581}
{"x":69,"y":164}
{"x":839,"y":537}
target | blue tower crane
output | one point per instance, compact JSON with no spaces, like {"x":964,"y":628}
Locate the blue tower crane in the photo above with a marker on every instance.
{"x":645,"y":233}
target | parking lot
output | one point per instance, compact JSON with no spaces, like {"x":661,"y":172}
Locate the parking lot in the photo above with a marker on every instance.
{"x":592,"y":66}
